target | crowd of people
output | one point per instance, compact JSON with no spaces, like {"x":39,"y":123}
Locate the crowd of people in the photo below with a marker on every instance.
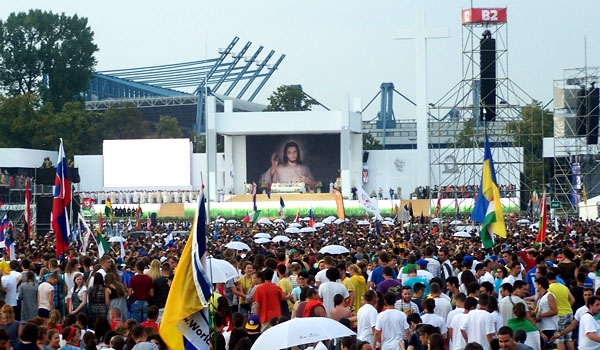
{"x":398,"y":288}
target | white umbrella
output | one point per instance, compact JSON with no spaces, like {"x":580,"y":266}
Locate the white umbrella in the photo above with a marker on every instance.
{"x":328,"y":220}
{"x":219,"y":271}
{"x":302,"y":330}
{"x":264,"y":221}
{"x":334,"y":249}
{"x":231,"y":221}
{"x":116,"y":239}
{"x":237,"y":245}
{"x":262,"y":235}
{"x":281,"y":239}
{"x":456,"y":222}
{"x":295,"y":224}
{"x":462,"y":234}
{"x":363,"y":223}
{"x":279,"y":221}
{"x":388,"y":223}
{"x":292,"y":230}
{"x":220,"y":220}
{"x":437,"y":220}
{"x":262,"y":240}
{"x":523,"y":222}
{"x":338,"y":221}
{"x":307,"y":229}
{"x":319,"y":224}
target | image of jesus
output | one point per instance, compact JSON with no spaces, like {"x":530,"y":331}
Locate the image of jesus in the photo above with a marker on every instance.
{"x":290,"y":170}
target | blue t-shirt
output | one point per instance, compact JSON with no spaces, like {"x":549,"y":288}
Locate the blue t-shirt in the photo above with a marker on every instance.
{"x":377,"y":275}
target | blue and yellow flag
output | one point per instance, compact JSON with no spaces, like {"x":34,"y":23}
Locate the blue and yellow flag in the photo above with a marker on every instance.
{"x":185,"y":323}
{"x":488,"y":208}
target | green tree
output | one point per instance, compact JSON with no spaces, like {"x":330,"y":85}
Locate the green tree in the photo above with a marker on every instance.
{"x":370,"y":143}
{"x":46,"y":53}
{"x":18,"y":120}
{"x":535,"y":124}
{"x":124,"y":122}
{"x":168,"y":128}
{"x":290,"y":98}
{"x":467,"y":137}
{"x":78,"y":128}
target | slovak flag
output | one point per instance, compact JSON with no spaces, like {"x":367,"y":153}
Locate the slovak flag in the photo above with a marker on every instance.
{"x":311,"y":217}
{"x":62,"y":199}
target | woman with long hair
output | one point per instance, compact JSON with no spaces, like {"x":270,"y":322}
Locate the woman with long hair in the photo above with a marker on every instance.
{"x":465,"y":279}
{"x":70,"y":269}
{"x":225,"y":310}
{"x":360,"y":286}
{"x":54,"y":321}
{"x":12,"y":327}
{"x":78,"y":295}
{"x":99,"y":298}
{"x":154,"y":271}
{"x":118,"y":295}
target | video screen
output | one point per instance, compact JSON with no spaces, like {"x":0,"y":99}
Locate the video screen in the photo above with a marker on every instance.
{"x":288,"y":160}
{"x":166,"y":163}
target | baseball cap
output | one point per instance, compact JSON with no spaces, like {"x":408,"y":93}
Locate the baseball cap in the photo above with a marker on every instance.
{"x":467,"y":258}
{"x":253,"y":322}
{"x":422,"y":262}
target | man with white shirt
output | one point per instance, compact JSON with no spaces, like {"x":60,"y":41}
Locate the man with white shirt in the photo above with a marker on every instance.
{"x":391,"y":326}
{"x":456,"y":318}
{"x":429,"y":317}
{"x":478,"y":326}
{"x":515,"y":273}
{"x":433,"y":265}
{"x":422,"y":271}
{"x":483,"y":275}
{"x":442,"y":301}
{"x":507,"y":301}
{"x":366,"y":317}
{"x":589,"y":330}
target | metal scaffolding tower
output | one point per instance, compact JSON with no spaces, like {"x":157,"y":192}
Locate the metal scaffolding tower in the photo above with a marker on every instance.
{"x":575,"y":143}
{"x":457,"y":121}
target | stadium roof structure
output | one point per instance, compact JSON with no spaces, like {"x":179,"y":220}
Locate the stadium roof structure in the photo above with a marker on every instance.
{"x":236,"y":75}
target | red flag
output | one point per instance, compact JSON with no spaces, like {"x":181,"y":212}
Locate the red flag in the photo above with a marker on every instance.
{"x":27,"y":210}
{"x":438,"y":206}
{"x":297,"y":219}
{"x":60,"y":203}
{"x":541,"y":236}
{"x":515,"y":218}
{"x":101,"y":221}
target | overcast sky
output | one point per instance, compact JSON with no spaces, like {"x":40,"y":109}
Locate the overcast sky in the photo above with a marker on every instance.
{"x":338,"y":49}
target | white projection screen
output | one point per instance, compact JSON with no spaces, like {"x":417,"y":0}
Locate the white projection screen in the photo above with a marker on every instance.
{"x":147,"y":163}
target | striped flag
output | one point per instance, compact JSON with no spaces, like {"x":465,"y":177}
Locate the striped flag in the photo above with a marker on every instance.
{"x":138,"y":216}
{"x":311,"y":217}
{"x":252,"y":217}
{"x":27,"y":227}
{"x":103,"y":246}
{"x":60,"y":203}
{"x":542,"y":226}
{"x":438,"y":206}
{"x":488,"y":209}
{"x":108,"y":211}
{"x":185,"y":323}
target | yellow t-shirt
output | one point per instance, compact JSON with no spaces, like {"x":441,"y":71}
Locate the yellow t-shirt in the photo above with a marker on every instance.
{"x":561,"y":294}
{"x":245,"y":283}
{"x":360,"y":288}
{"x":286,"y":286}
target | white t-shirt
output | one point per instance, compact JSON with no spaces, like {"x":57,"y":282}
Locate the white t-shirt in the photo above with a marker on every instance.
{"x":506,"y":307}
{"x":366,"y":318}
{"x":328,"y":290}
{"x":10,"y":283}
{"x":588,"y":324}
{"x":44,"y":295}
{"x":458,"y":341}
{"x":478,"y":324}
{"x":321,"y":277}
{"x":442,"y":307}
{"x":436,"y":321}
{"x":392,"y":324}
{"x":487,"y":277}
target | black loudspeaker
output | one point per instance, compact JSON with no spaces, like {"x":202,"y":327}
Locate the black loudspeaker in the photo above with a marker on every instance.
{"x":365,"y":157}
{"x":593,"y":115}
{"x":46,"y":176}
{"x":580,"y":122}
{"x":44,"y":209}
{"x":487,"y":60}
{"x":153,"y":219}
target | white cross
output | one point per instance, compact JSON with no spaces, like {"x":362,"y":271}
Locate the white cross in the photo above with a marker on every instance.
{"x":420,"y":34}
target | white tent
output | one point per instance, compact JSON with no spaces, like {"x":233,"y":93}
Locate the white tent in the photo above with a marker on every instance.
{"x":589,"y":211}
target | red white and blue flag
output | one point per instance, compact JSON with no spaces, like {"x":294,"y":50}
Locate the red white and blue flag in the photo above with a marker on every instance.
{"x":311,"y":217}
{"x":62,"y":199}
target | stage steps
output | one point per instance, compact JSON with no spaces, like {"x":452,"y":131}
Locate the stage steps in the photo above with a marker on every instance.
{"x":171,"y":210}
